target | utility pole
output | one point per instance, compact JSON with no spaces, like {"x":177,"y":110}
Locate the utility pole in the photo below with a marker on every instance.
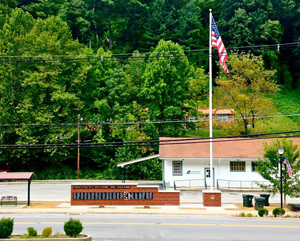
{"x":280,"y":151}
{"x":78,"y":149}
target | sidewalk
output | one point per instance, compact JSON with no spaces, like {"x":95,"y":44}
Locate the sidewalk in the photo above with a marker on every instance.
{"x":57,"y":193}
{"x":65,"y":208}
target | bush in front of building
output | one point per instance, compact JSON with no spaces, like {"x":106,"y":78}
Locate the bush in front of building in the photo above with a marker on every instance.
{"x":278,"y":212}
{"x":47,"y":232}
{"x":6,"y":227}
{"x":263,"y":212}
{"x":31,"y":232}
{"x":73,"y":227}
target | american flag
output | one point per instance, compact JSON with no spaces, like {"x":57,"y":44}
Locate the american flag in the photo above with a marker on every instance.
{"x":218,"y":44}
{"x":288,"y":167}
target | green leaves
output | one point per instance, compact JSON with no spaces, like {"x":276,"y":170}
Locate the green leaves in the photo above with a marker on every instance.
{"x":272,"y":31}
{"x":37,"y":92}
{"x":244,"y":89}
{"x":269,"y":164}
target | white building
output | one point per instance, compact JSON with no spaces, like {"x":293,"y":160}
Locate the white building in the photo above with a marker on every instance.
{"x":234,"y":161}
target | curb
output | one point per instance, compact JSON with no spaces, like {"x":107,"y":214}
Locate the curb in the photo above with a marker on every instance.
{"x":86,"y":238}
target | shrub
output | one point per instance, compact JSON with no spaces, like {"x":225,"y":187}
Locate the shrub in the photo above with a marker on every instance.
{"x":73,"y":227}
{"x":278,"y":212}
{"x":6,"y":227}
{"x":32,"y":232}
{"x":291,"y":206}
{"x":25,"y":236}
{"x":249,"y":215}
{"x":242,"y":214}
{"x":263,"y":212}
{"x":47,"y":232}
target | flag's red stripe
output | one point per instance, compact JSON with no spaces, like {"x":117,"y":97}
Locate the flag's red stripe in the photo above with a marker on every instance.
{"x":218,"y":44}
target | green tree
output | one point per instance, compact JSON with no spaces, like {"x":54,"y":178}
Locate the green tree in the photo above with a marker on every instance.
{"x":240,"y":28}
{"x":198,"y":86}
{"x":178,"y":21}
{"x":35,"y":92}
{"x":268,"y":167}
{"x":165,"y":85}
{"x":264,"y":22}
{"x":272,"y":32}
{"x":244,"y":89}
{"x":43,"y":8}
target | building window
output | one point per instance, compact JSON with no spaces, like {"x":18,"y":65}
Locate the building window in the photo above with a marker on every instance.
{"x":237,"y":166}
{"x":254,"y":166}
{"x":177,"y":168}
{"x":223,"y":118}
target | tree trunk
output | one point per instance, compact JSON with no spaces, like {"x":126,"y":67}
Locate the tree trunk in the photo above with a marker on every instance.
{"x":110,"y":37}
{"x":110,"y":31}
{"x":95,"y":26}
{"x":246,"y":125}
{"x":253,"y":119}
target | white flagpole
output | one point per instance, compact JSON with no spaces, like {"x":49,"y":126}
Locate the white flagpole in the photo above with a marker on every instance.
{"x":210,"y":105}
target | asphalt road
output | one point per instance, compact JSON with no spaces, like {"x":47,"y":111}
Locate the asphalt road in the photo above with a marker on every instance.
{"x":152,"y":227}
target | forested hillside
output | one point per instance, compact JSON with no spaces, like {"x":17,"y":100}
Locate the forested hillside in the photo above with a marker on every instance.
{"x":133,"y":70}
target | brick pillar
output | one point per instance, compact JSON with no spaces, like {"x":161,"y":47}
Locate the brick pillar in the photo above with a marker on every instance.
{"x":212,"y":198}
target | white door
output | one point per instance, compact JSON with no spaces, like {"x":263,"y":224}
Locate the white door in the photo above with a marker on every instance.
{"x":208,"y":178}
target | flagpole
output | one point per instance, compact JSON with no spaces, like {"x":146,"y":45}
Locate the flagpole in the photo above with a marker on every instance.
{"x":210,"y":105}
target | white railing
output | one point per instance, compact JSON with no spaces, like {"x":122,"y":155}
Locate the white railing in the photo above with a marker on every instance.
{"x":190,"y":183}
{"x":242,"y":185}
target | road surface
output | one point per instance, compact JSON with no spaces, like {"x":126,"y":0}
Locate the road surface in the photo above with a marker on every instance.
{"x":155,"y":227}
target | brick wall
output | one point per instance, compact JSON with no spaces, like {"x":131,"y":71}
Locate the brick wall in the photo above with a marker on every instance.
{"x":80,"y":196}
{"x":212,"y":199}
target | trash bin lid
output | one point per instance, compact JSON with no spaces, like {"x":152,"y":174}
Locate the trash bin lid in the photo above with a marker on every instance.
{"x":259,"y":198}
{"x":265,"y":195}
{"x":248,"y":195}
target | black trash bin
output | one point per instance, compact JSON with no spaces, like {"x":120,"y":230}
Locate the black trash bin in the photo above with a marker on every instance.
{"x":259,"y":203}
{"x":266,"y":196}
{"x":247,"y":200}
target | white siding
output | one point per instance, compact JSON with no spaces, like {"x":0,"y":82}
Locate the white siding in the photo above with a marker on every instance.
{"x":221,"y":170}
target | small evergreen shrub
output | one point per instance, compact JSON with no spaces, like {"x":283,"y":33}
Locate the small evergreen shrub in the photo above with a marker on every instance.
{"x":32,"y":232}
{"x":249,"y":215}
{"x":6,"y":227}
{"x":242,"y":214}
{"x":263,"y":212}
{"x":73,"y":227}
{"x":278,"y":212}
{"x":47,"y":232}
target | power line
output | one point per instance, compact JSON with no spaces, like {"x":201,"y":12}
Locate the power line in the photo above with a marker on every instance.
{"x":76,"y":58}
{"x":75,"y":146}
{"x":144,"y":53}
{"x":151,"y":142}
{"x":141,"y":122}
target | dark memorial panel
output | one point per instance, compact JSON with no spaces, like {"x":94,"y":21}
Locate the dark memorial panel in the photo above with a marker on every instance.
{"x":112,"y":195}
